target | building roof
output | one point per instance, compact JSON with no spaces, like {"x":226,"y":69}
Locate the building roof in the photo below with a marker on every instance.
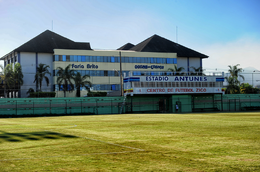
{"x":47,"y":41}
{"x":159,"y":44}
{"x":126,"y":46}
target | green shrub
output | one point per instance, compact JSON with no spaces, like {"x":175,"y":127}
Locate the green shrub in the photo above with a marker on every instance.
{"x":97,"y":94}
{"x":42,"y":94}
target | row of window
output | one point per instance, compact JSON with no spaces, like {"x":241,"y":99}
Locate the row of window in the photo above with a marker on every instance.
{"x":74,"y":58}
{"x":9,"y":61}
{"x":117,"y":73}
{"x":177,"y":84}
{"x":95,"y":87}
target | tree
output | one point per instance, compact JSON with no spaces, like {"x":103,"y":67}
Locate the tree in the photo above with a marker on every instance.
{"x":65,"y":78}
{"x":235,"y":71}
{"x":8,"y":79}
{"x":197,"y":71}
{"x":233,"y":85}
{"x":18,"y":76}
{"x":233,"y":82}
{"x":177,"y":71}
{"x":41,"y":72}
{"x":246,"y":88}
{"x":30,"y":90}
{"x":80,"y":81}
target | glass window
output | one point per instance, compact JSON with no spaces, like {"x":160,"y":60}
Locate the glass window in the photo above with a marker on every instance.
{"x":158,"y":60}
{"x":56,"y":57}
{"x":92,"y":73}
{"x":101,"y":73}
{"x":113,"y":87}
{"x":130,"y":59}
{"x":138,"y":60}
{"x":112,"y":59}
{"x":71,"y":58}
{"x":142,"y":59}
{"x":94,"y":58}
{"x":64,"y":58}
{"x":75,"y":58}
{"x":97,"y":72}
{"x":83,"y":72}
{"x":106,"y":73}
{"x":101,"y":58}
{"x":123,"y":59}
{"x":163,"y":60}
{"x":83,"y":58}
{"x":87,"y":58}
{"x":87,"y":72}
{"x":174,"y":61}
{"x":146,"y":60}
{"x":98,"y":59}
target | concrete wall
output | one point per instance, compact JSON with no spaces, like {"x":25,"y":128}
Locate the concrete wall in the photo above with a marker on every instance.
{"x":47,"y":59}
{"x":28,"y":63}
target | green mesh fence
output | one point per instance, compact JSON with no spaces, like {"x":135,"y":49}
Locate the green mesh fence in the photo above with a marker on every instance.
{"x":60,"y":106}
{"x":135,"y":104}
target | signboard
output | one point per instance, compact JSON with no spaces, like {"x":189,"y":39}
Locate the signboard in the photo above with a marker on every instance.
{"x":179,"y":90}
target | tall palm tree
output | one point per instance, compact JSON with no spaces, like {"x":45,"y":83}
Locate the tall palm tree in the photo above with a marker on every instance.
{"x":41,"y":72}
{"x":235,"y":71}
{"x":80,"y":81}
{"x":65,"y":78}
{"x":18,"y":77}
{"x":177,"y":71}
{"x":197,"y":71}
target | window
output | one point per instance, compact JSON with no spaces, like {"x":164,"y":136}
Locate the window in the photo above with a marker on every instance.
{"x":142,"y":59}
{"x":204,"y":84}
{"x":174,"y":61}
{"x":160,"y":84}
{"x":163,"y":60}
{"x":131,"y":60}
{"x":83,"y":58}
{"x":158,"y":60}
{"x":106,"y":73}
{"x":113,"y":59}
{"x":56,"y":58}
{"x":134,"y":59}
{"x":71,"y":58}
{"x":168,"y":84}
{"x":67,"y":58}
{"x":138,"y":60}
{"x":98,"y":59}
{"x":75,"y":58}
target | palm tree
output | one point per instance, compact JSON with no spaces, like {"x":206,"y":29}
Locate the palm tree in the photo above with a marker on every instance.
{"x":235,"y":71}
{"x":233,"y":85}
{"x":177,"y":71}
{"x":197,"y":71}
{"x":8,"y":79}
{"x":65,"y":78}
{"x":41,"y":72}
{"x":80,"y":81}
{"x":18,"y":77}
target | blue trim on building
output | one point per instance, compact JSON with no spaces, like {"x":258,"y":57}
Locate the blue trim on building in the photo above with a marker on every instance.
{"x":19,"y":57}
{"x":188,"y":64}
{"x":36,"y":56}
{"x":219,"y":79}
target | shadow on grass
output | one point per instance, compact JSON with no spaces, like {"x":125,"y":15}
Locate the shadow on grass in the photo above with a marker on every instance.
{"x":31,"y":136}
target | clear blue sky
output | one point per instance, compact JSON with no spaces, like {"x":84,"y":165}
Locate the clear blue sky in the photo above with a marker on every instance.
{"x":228,"y":31}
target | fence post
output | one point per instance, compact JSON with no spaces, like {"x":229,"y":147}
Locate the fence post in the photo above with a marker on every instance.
{"x":16,"y":107}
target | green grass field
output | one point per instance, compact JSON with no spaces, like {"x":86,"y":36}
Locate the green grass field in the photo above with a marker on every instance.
{"x":132,"y":142}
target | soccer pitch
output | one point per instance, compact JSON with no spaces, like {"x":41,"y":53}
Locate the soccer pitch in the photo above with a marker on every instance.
{"x":132,"y":142}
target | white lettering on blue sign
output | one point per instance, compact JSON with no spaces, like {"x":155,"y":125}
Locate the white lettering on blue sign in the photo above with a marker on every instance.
{"x":190,"y":78}
{"x":157,"y":78}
